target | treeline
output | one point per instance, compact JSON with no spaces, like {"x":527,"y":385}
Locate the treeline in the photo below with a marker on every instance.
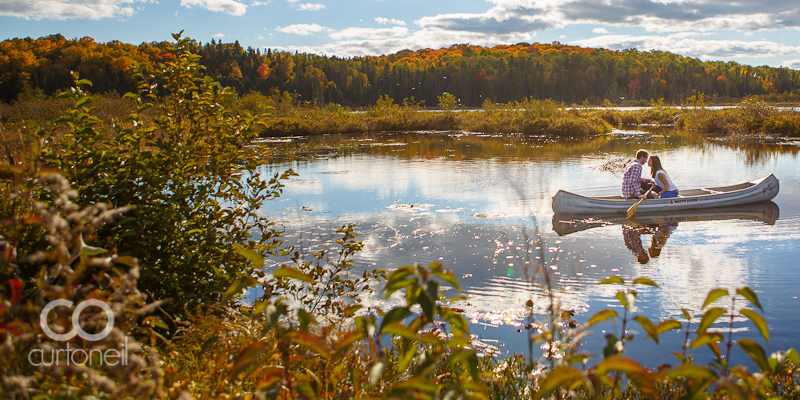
{"x":473,"y":74}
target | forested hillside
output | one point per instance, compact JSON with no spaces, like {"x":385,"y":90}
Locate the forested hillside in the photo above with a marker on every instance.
{"x":472,"y":73}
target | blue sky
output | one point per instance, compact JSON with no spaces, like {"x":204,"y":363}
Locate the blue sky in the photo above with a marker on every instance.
{"x":750,"y":32}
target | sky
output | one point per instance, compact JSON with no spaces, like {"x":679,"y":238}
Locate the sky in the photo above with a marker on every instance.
{"x":746,"y":31}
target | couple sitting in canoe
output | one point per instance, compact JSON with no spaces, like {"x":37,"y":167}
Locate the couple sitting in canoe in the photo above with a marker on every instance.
{"x":636,"y":187}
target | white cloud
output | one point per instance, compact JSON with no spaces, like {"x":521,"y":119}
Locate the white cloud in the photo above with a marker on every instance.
{"x":66,"y":9}
{"x":231,"y":7}
{"x":421,"y":39}
{"x":260,"y":37}
{"x":685,"y":44}
{"x":311,"y":6}
{"x":260,"y":3}
{"x":218,"y":35}
{"x":379,"y":33}
{"x":601,"y":31}
{"x":518,"y":16}
{"x":793,"y":64}
{"x":385,"y":21}
{"x":302,"y":29}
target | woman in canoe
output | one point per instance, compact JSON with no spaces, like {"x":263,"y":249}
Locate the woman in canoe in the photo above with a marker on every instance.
{"x":665,"y":188}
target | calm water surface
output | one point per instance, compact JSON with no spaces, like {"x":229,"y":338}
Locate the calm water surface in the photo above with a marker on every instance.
{"x":475,"y":203}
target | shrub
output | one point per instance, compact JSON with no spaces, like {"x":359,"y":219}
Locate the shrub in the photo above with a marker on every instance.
{"x":190,"y":178}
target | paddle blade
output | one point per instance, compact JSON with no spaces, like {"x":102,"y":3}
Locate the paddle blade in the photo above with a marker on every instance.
{"x":633,"y":208}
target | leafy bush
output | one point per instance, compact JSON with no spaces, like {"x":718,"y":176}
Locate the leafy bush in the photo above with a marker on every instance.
{"x":189,"y":177}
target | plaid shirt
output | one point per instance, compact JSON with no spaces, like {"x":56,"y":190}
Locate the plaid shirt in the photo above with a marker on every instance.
{"x":633,"y":239}
{"x":632,"y":180}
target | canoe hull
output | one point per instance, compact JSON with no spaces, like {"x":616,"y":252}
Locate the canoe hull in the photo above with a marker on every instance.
{"x":758,"y":190}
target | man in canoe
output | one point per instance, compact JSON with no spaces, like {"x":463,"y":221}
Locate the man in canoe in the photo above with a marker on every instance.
{"x":633,"y":185}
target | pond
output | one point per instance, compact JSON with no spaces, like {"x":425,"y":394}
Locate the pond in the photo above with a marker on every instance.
{"x":481,"y":205}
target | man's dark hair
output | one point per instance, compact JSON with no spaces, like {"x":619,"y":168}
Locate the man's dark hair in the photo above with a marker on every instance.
{"x":641,"y":153}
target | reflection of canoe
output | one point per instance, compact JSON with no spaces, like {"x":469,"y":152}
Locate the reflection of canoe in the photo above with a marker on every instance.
{"x":766,"y":212}
{"x":762,"y":189}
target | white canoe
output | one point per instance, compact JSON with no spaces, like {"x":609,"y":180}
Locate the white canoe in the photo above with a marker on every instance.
{"x":761,"y":189}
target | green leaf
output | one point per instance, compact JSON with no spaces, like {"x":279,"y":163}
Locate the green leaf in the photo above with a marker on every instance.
{"x":750,"y":295}
{"x":686,"y":314}
{"x":88,"y":251}
{"x":256,"y":259}
{"x":691,"y":371}
{"x":427,"y":301}
{"x":421,"y":383}
{"x":556,"y":378}
{"x":758,"y":321}
{"x":289,"y":272}
{"x":613,"y":346}
{"x":311,"y":341}
{"x":395,"y":285}
{"x":611,"y":280}
{"x":756,"y":353}
{"x":706,"y":338}
{"x":236,"y":288}
{"x":644,"y":281}
{"x":791,"y":354}
{"x":396,"y":328}
{"x":714,"y":295}
{"x":448,"y":277}
{"x":648,"y":326}
{"x":83,"y":101}
{"x":601,"y":316}
{"x":668,"y":325}
{"x":305,"y":319}
{"x":395,"y":315}
{"x":617,"y":363}
{"x":708,"y":318}
{"x":401,"y":273}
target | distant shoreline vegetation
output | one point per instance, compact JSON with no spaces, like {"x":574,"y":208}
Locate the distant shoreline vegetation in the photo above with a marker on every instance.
{"x":504,"y":74}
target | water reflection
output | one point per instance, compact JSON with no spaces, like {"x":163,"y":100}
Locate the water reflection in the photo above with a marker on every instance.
{"x":766,"y":212}
{"x":466,"y":201}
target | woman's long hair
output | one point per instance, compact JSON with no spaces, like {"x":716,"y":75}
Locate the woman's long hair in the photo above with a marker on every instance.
{"x":655,"y":165}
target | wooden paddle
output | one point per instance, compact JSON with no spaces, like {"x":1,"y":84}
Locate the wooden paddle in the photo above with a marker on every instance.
{"x":634,"y":207}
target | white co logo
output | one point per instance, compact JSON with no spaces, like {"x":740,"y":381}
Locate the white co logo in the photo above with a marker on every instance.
{"x":76,"y":328}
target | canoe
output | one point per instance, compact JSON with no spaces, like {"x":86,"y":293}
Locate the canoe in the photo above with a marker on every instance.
{"x":766,"y":212}
{"x":758,"y":190}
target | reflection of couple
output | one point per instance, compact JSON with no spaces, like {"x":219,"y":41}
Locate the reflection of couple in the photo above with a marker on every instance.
{"x":633,"y":239}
